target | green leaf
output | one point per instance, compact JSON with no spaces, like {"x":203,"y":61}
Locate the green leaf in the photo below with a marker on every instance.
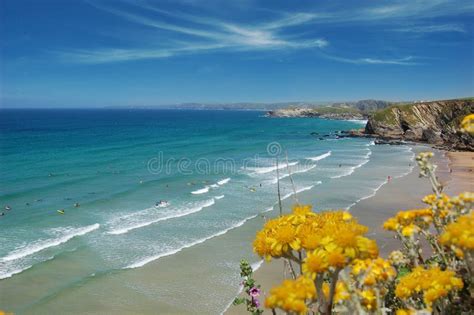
{"x":238,"y":301}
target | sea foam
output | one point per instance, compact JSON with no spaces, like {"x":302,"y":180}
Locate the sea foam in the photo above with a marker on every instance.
{"x":171,"y":215}
{"x":147,"y":260}
{"x":320,"y":157}
{"x":223,"y":182}
{"x":44,"y":244}
{"x":268,"y":169}
{"x":200,"y":191}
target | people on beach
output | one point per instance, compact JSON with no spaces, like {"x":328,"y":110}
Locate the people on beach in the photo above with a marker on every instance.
{"x":389,"y":178}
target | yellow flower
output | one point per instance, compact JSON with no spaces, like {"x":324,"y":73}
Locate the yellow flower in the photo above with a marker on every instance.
{"x":460,"y":235}
{"x":410,"y":221}
{"x":302,"y":209}
{"x":367,"y":247}
{"x":283,"y":238}
{"x":315,"y":262}
{"x":262,"y":245}
{"x":368,"y":299}
{"x":467,"y":124}
{"x":336,"y":258}
{"x":292,"y":295}
{"x":409,"y":230}
{"x":340,"y":294}
{"x":433,"y":283}
{"x":373,"y":271}
{"x":404,"y":312}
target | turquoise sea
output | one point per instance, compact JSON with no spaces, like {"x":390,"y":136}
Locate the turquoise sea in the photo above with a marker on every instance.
{"x":114,"y":250}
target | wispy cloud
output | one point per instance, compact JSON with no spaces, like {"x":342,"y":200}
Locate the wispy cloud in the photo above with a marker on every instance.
{"x":438,"y":28}
{"x":416,"y":9}
{"x":184,"y":33}
{"x":204,"y":34}
{"x":406,"y":61}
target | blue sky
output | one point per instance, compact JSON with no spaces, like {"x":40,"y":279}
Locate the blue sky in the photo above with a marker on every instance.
{"x":91,"y":53}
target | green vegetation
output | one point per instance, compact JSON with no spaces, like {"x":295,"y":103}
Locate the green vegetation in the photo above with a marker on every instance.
{"x":335,"y":110}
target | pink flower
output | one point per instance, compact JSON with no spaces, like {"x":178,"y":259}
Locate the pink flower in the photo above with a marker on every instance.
{"x":254,"y":292}
{"x":255,"y":302}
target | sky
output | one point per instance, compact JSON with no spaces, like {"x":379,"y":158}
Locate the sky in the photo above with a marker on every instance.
{"x":95,"y":53}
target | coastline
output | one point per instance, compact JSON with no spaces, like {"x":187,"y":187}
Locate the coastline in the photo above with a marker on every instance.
{"x":405,"y":192}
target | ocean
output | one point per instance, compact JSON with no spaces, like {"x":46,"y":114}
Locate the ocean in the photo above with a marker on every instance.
{"x":157,"y":207}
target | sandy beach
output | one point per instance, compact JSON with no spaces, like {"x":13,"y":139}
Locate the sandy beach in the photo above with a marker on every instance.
{"x":454,"y":172}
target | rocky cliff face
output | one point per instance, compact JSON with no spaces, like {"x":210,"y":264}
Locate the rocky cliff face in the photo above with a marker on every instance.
{"x":432,"y":122}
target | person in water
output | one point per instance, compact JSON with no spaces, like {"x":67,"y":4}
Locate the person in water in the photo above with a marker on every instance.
{"x":77,"y":205}
{"x":8,"y":208}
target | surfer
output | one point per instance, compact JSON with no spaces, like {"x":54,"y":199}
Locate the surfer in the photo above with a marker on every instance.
{"x":8,"y":208}
{"x":61,"y":211}
{"x":161,"y":204}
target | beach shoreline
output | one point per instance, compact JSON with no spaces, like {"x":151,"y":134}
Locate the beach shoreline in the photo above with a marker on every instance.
{"x":402,"y":193}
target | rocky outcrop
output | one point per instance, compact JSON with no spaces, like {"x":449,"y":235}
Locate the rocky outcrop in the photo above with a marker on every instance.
{"x":432,"y":122}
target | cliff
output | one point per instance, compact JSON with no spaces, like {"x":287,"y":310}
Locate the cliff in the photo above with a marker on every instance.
{"x":432,"y":122}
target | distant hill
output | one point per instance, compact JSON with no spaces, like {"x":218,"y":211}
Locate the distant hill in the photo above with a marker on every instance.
{"x":338,"y":110}
{"x":365,"y":106}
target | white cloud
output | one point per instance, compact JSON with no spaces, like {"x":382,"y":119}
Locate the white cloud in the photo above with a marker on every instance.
{"x":205,"y":34}
{"x":438,"y":28}
{"x":187,"y":33}
{"x":406,"y":61}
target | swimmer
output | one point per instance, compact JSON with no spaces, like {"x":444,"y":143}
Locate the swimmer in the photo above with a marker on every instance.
{"x":8,"y":208}
{"x":77,"y":205}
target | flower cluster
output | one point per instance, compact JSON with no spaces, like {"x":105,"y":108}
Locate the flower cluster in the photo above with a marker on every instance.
{"x":432,"y":283}
{"x":291,"y":295}
{"x":332,"y":239}
{"x":409,"y":222}
{"x":373,"y":271}
{"x":444,"y":206}
{"x":371,"y":276}
{"x":460,"y":235}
